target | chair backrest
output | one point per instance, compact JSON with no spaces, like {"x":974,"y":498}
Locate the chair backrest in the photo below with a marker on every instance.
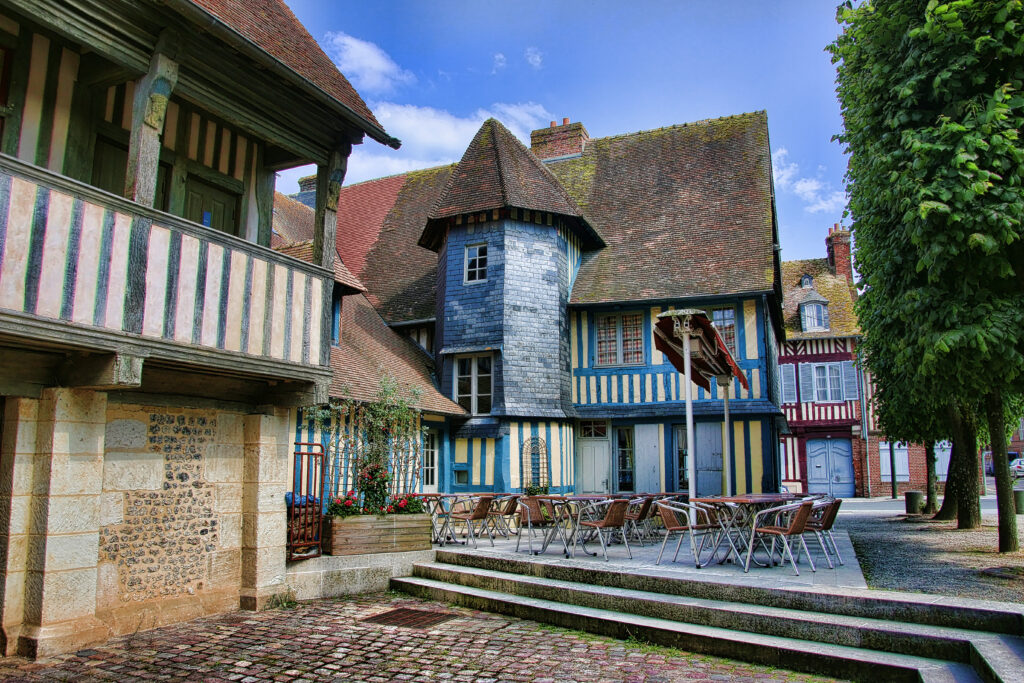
{"x":615,"y":516}
{"x":511,"y":505}
{"x":798,"y":521}
{"x":483,"y":504}
{"x":643,"y":509}
{"x":828,"y":518}
{"x":532,"y":506}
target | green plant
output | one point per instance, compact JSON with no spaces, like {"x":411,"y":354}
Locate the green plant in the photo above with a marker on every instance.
{"x":344,"y":506}
{"x":535,"y":490}
{"x":285,"y":600}
{"x":408,"y":505}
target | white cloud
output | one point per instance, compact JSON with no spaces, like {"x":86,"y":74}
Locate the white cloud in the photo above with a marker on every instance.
{"x":499,"y":62}
{"x":369,"y":68}
{"x":534,"y":57}
{"x":817,"y":195}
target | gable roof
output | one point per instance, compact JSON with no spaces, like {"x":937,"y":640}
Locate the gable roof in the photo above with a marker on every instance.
{"x":369,"y":349}
{"x":496,"y":172}
{"x":686,"y":211}
{"x":342,"y":275}
{"x":272,"y":28}
{"x":829,"y":287}
{"x":379,"y":224}
{"x":292,"y":221}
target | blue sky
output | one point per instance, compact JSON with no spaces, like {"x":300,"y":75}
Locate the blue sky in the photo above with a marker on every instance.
{"x":434,"y":71}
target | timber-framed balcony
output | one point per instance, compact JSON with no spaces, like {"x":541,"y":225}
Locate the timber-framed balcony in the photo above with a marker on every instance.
{"x":94,"y":288}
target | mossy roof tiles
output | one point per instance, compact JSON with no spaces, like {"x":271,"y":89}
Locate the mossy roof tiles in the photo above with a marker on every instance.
{"x":369,"y":349}
{"x":271,"y":26}
{"x":827,"y":285}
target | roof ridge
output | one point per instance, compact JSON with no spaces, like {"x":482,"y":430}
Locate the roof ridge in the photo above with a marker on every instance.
{"x":403,"y":173}
{"x":676,"y":126}
{"x":499,"y":158}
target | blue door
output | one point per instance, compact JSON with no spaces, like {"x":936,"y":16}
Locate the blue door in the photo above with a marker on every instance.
{"x":830,"y":467}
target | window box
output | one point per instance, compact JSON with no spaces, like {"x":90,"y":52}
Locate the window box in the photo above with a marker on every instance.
{"x":365,"y":534}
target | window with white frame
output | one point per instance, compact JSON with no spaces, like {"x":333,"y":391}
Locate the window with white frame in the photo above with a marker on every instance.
{"x":476,"y":263}
{"x":725,"y":322}
{"x":815,"y":317}
{"x":473,"y":383}
{"x":901,"y":455}
{"x":428,"y":467}
{"x":826,"y":382}
{"x":620,"y":339}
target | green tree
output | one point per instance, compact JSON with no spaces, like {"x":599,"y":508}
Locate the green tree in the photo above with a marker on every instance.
{"x":931,"y":102}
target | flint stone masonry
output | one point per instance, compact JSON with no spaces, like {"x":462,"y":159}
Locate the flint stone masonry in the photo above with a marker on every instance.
{"x":161,"y":547}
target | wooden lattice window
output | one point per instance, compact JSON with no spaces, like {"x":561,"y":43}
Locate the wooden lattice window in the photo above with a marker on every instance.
{"x":535,"y":462}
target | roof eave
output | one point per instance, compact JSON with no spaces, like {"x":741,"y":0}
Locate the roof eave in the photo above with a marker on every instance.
{"x":229,"y":35}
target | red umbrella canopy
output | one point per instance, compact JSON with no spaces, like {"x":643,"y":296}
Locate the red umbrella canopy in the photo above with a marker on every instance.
{"x":709,"y":356}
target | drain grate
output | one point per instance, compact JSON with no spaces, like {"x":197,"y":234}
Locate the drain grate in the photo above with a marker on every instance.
{"x":409,"y":618}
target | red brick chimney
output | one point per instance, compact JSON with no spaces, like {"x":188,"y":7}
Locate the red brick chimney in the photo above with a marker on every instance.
{"x":838,"y":245}
{"x":559,"y":141}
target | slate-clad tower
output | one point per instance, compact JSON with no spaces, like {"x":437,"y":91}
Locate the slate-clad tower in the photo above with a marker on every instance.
{"x":508,"y":240}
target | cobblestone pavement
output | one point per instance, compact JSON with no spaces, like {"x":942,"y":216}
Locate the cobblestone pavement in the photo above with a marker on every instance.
{"x":326,"y":640}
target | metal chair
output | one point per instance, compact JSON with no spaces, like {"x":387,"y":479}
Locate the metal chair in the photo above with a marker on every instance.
{"x":676,"y":519}
{"x":823,"y":516}
{"x":531,"y":517}
{"x":503,"y":511}
{"x":481,"y":507}
{"x":614,"y":520}
{"x":797,"y":514}
{"x":637,"y":514}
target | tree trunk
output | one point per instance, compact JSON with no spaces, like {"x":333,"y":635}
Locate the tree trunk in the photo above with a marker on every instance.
{"x":1008,"y":541}
{"x":951,"y":496}
{"x":930,"y":505}
{"x":968,"y":513}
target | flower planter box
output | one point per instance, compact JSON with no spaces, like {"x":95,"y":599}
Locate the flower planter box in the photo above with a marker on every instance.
{"x":362,"y":534}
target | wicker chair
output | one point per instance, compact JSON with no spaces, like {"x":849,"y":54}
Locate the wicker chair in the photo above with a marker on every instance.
{"x":676,"y":518}
{"x":823,"y":516}
{"x":797,"y":514}
{"x":638,"y":515}
{"x":481,"y":507}
{"x":531,"y":517}
{"x":504,"y":511}
{"x":614,"y":520}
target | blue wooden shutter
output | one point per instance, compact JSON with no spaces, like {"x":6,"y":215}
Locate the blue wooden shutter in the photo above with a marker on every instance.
{"x":824,"y":315}
{"x":788,"y":372}
{"x":806,"y":383}
{"x":849,"y":381}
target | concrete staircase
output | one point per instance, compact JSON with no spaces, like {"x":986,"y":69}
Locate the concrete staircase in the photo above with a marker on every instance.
{"x":858,"y":635}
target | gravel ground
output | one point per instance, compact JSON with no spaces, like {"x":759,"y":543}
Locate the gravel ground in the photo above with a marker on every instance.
{"x":913,"y":553}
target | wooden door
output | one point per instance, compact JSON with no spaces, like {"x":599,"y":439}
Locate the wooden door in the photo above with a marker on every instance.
{"x":647,"y":457}
{"x":211,"y":206}
{"x":595,"y":460}
{"x":708,"y":452}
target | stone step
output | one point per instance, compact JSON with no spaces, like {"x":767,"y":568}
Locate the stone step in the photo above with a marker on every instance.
{"x":788,"y":653}
{"x":935,"y":610}
{"x":987,"y":652}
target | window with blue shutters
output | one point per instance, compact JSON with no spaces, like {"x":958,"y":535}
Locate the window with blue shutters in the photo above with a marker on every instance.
{"x":788,"y":378}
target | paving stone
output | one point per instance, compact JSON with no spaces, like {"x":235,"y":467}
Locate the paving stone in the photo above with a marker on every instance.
{"x":327,"y":640}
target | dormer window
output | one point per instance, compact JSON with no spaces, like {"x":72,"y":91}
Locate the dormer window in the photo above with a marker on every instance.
{"x":807,"y":282}
{"x":814,"y":316}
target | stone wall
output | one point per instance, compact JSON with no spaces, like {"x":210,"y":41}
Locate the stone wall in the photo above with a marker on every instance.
{"x":170,"y":527}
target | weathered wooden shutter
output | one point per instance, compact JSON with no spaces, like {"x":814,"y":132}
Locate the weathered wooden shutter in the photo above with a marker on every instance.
{"x":788,"y":372}
{"x":824,"y":316}
{"x":806,"y":383}
{"x":850,"y":383}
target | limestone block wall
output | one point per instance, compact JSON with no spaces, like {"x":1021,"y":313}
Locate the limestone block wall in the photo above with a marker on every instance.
{"x":171,"y":516}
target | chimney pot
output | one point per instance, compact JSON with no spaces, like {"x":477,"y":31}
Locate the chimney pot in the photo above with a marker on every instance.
{"x":553,"y":124}
{"x":565,"y":121}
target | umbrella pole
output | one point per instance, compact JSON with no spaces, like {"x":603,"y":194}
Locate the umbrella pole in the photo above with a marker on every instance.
{"x":691,"y":465}
{"x":726,"y":382}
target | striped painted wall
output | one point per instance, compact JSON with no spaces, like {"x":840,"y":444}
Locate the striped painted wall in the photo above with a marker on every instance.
{"x":792,"y":474}
{"x":656,"y":381}
{"x":822,"y":412}
{"x":558,"y":439}
{"x":46,"y":113}
{"x":817,"y":347}
{"x":72,"y":257}
{"x":573,"y":254}
{"x":200,"y":137}
{"x":479,"y":457}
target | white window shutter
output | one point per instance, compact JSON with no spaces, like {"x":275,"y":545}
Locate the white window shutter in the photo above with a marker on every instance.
{"x":788,"y":372}
{"x":806,"y":383}
{"x":850,"y":383}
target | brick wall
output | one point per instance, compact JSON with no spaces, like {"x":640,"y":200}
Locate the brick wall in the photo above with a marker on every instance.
{"x":557,"y":141}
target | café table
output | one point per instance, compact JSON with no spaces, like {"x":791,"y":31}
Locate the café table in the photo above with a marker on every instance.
{"x":734,"y":515}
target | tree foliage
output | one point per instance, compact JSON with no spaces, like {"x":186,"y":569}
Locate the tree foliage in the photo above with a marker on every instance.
{"x":932,"y":107}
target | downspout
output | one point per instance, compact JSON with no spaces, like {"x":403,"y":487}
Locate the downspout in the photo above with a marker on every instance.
{"x":865,"y":428}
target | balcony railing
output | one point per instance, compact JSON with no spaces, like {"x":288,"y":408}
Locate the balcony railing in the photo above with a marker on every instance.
{"x":82,"y":266}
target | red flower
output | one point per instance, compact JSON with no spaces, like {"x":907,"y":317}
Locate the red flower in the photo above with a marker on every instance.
{"x":351,"y":493}
{"x":348,"y":503}
{"x":337,"y":501}
{"x":391,"y":508}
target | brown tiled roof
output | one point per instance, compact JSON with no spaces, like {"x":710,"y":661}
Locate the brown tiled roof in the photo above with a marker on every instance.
{"x":292,"y":222}
{"x":304,"y":252}
{"x":497,"y":171}
{"x":379,"y":223}
{"x":369,"y":349}
{"x":686,"y":211}
{"x":273,"y":28}
{"x":836,"y":290}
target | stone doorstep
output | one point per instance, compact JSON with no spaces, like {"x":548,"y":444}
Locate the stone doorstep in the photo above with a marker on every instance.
{"x":1003,"y":656}
{"x":820,"y":658}
{"x":935,"y":610}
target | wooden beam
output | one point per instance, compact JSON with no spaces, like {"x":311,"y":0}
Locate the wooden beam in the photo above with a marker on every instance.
{"x":103,"y":372}
{"x":152,"y":94}
{"x":329,"y":178}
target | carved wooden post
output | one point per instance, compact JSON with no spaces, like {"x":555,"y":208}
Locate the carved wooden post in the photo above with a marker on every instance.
{"x":148,"y":112}
{"x":328,"y":185}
